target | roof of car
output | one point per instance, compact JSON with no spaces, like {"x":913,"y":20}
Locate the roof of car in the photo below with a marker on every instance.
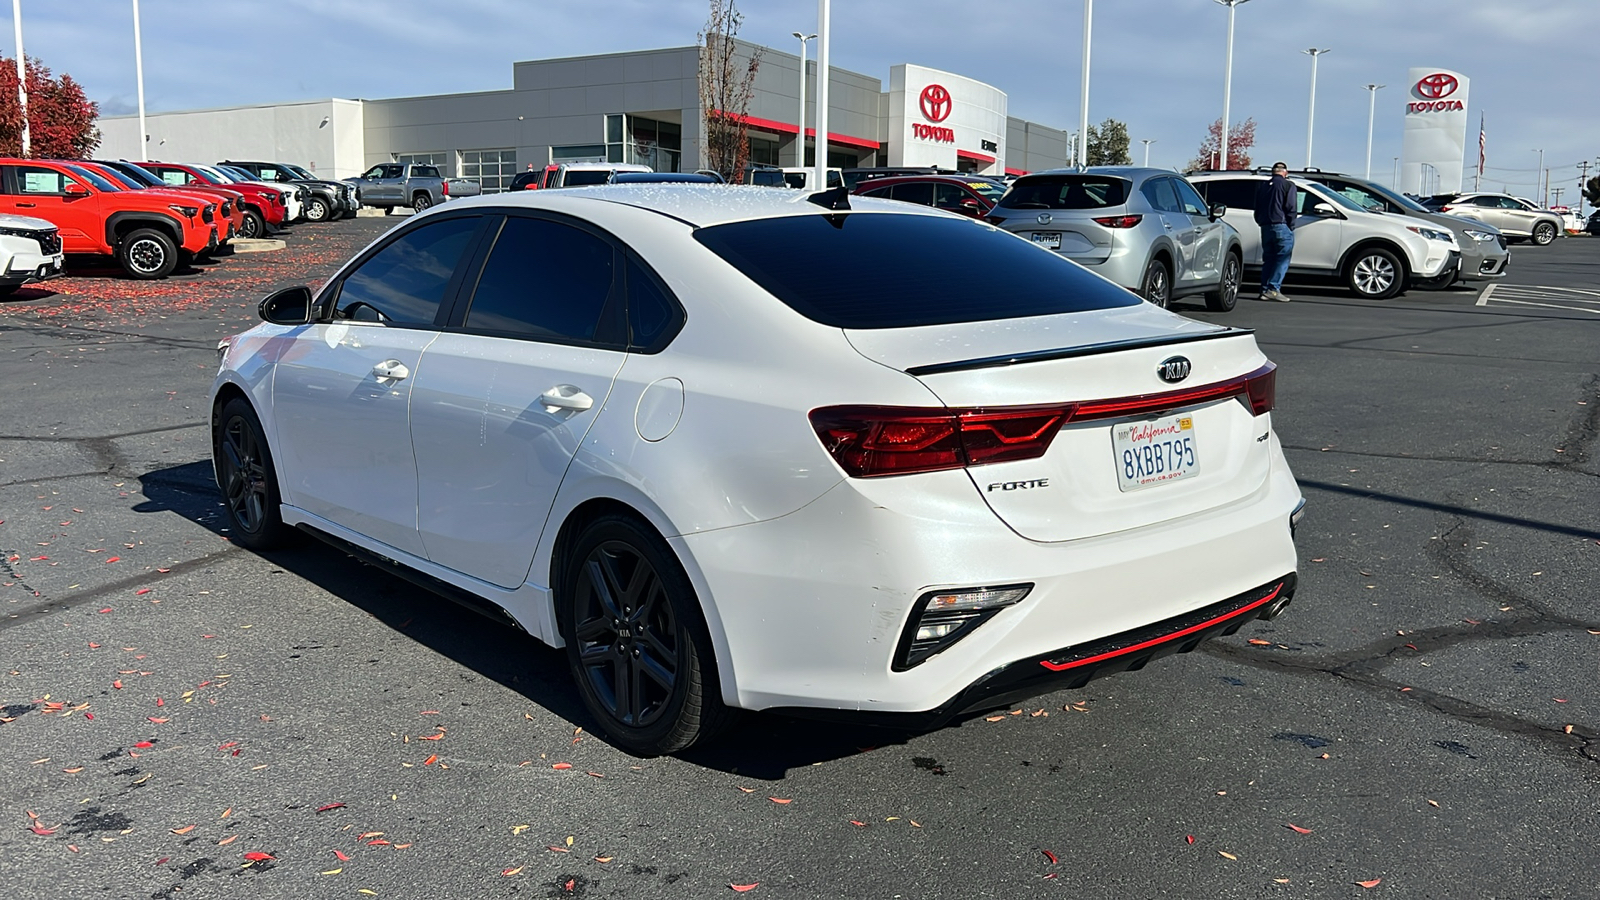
{"x":875,"y":183}
{"x":697,"y":205}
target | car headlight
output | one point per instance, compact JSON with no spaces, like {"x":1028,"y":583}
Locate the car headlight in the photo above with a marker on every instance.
{"x":187,"y":212}
{"x":1429,"y":233}
{"x":1482,"y":237}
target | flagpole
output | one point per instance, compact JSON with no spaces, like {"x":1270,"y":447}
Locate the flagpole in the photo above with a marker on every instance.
{"x":1478,"y":178}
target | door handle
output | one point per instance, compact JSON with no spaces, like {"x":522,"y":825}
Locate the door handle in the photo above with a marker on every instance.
{"x":26,"y":205}
{"x":391,"y":368}
{"x":566,"y":396}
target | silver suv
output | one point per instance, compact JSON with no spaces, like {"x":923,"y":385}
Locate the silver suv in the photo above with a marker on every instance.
{"x":1375,"y":254}
{"x":1518,"y":218}
{"x":1145,"y":229}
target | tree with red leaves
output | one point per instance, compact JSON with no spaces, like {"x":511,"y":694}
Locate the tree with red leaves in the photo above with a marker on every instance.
{"x":60,"y":118}
{"x":1241,"y":137}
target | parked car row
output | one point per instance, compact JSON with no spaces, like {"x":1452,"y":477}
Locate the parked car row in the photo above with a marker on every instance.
{"x":148,"y":216}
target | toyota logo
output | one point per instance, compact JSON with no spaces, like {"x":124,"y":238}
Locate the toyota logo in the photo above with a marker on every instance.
{"x":1174,"y":369}
{"x":1437,"y":86}
{"x":935,"y":103}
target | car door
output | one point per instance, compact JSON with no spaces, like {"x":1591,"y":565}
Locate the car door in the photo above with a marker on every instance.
{"x":1208,"y":233}
{"x":41,"y":192}
{"x":507,"y":392}
{"x":1515,"y":214}
{"x":1486,"y":209}
{"x":1318,"y":237}
{"x":342,"y":393}
{"x":1162,"y":195}
{"x":381,"y":184}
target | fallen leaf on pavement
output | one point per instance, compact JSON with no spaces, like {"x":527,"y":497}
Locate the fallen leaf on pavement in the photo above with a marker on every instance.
{"x":184,"y":830}
{"x":1189,"y":838}
{"x":553,"y":848}
{"x":330,"y":806}
{"x":562,"y":766}
{"x":431,"y":760}
{"x":342,"y":857}
{"x":512,"y":871}
{"x":228,"y":840}
{"x":781,"y":799}
{"x":1371,"y":884}
{"x":258,"y":856}
{"x":604,"y":859}
{"x":741,"y":888}
{"x":36,"y":828}
{"x":1226,"y":854}
{"x":1296,"y":828}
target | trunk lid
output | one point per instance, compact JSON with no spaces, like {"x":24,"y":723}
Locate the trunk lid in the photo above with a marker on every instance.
{"x":1074,"y":490}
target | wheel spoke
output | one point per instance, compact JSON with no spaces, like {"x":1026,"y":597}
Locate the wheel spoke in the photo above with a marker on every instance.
{"x":601,"y":585}
{"x":597,"y":655}
{"x":623,"y":683}
{"x":596,"y":629}
{"x":662,"y":657}
{"x":636,"y":703}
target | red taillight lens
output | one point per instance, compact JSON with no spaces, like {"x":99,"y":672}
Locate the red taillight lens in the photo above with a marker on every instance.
{"x":1120,"y":221}
{"x":1445,"y":209}
{"x":868,"y":441}
{"x":444,"y":188}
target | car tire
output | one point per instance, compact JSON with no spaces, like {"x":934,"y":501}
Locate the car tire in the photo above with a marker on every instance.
{"x":421,"y":202}
{"x":317,"y":210}
{"x":1544,"y":234}
{"x":248,"y":480}
{"x":1375,"y":274}
{"x":1226,"y":296}
{"x":387,"y":210}
{"x":637,"y":644}
{"x":253,"y":226}
{"x":1156,"y":286}
{"x":147,"y":254}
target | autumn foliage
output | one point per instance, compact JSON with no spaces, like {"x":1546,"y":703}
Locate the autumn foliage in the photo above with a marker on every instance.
{"x":60,"y":118}
{"x":1241,"y":138}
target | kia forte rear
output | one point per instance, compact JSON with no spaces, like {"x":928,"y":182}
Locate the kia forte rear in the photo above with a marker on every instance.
{"x":737,"y":448}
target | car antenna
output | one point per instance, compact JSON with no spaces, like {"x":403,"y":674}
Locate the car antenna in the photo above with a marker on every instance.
{"x":834,"y":198}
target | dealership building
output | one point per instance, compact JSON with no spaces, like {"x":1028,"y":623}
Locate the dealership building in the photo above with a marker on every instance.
{"x":641,"y":107}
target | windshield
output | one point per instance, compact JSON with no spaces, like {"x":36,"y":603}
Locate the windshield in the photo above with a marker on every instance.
{"x":121,"y":178}
{"x":300,"y":173}
{"x":142,"y":176}
{"x":1066,"y":192}
{"x":1341,"y":200}
{"x":988,"y":190}
{"x":1397,"y":198}
{"x":879,"y":273}
{"x":96,"y":179}
{"x":215,"y":174}
{"x":239,"y":174}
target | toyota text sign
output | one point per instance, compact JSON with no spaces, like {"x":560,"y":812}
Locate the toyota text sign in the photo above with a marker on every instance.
{"x":1436,"y":131}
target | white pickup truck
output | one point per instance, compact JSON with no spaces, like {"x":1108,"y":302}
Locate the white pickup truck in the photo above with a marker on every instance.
{"x":387,"y":185}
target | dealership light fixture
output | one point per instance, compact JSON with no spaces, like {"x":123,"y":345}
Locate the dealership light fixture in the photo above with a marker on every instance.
{"x":800,"y":142}
{"x":824,"y":11}
{"x":22,"y":77}
{"x":1147,"y":142}
{"x":1372,"y":109}
{"x":1227,"y":82}
{"x":1540,"y":183}
{"x":1083,"y":102}
{"x":1311,"y":115}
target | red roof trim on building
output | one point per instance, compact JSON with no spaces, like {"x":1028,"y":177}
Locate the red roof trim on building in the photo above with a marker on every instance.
{"x":974,"y":156}
{"x":1011,"y":171}
{"x":786,"y":128}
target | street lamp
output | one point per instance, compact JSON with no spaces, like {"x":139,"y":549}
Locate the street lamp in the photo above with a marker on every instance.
{"x":824,"y":12}
{"x":1083,"y":102}
{"x":1311,"y":116}
{"x":1394,"y":178}
{"x":1146,"y":142}
{"x":801,"y":145}
{"x":22,"y":77}
{"x":1227,"y":81}
{"x":1539,"y":182}
{"x":1372,"y":109}
{"x":138,"y":69}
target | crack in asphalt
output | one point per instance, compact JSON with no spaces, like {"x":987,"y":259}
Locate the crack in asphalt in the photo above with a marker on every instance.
{"x":1556,"y":465}
{"x":143,"y":579}
{"x":133,"y":337}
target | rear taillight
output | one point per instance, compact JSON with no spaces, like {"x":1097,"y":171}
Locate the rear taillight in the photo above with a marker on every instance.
{"x":444,"y":189}
{"x":1119,"y":221}
{"x":1445,"y":209}
{"x":870,"y":441}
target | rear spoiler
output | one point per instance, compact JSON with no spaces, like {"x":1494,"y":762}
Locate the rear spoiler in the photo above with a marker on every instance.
{"x":995,"y":362}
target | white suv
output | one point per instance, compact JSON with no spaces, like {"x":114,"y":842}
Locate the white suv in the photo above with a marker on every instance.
{"x":1377,"y":255}
{"x":30,"y":251}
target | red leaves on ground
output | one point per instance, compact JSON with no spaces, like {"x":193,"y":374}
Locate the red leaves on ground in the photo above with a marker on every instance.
{"x":432,"y":737}
{"x":1296,"y":828}
{"x":858,"y":823}
{"x":117,"y":684}
{"x":431,"y":760}
{"x":258,"y":856}
{"x":429,"y":712}
{"x":342,"y":857}
{"x":1370,"y":884}
{"x":741,"y":888}
{"x":113,"y":559}
{"x":562,"y":766}
{"x":106,"y":610}
{"x":783,"y":800}
{"x":227,"y":746}
{"x":227,"y":840}
{"x":553,"y":848}
{"x":36,"y":828}
{"x":158,"y":721}
{"x":330,"y":806}
{"x":184,"y":830}
{"x":1260,"y":643}
{"x":507,"y":873}
{"x":1050,"y":856}
{"x":141,"y":592}
{"x":1189,"y":838}
{"x":143,"y":745}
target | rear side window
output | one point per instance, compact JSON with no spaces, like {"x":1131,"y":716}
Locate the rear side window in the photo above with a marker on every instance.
{"x":424,"y":172}
{"x":404,"y":283}
{"x":577,"y":177}
{"x":1066,"y":192}
{"x":545,"y":281}
{"x":1234,"y":193}
{"x":652,"y":314}
{"x":920,"y":192}
{"x":886,"y":270}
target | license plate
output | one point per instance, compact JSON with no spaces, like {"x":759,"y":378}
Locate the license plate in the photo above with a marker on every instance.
{"x":1050,"y":240}
{"x":1154,"y":452}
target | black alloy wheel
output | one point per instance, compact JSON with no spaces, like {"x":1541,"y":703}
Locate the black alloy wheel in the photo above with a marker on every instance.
{"x":317,"y":210}
{"x":1157,"y":286}
{"x":249,"y":484}
{"x":421,"y":202}
{"x":253,"y":226}
{"x":636,"y":642}
{"x":1226,"y":295}
{"x":146,"y":254}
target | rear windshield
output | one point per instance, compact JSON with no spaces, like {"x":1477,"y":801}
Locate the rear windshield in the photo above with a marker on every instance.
{"x":885,"y":270}
{"x":1066,"y":192}
{"x":577,"y":177}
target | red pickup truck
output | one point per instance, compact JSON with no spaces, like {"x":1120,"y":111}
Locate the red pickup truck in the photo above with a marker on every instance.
{"x":263,"y":204}
{"x":144,"y":232}
{"x":230,"y":208}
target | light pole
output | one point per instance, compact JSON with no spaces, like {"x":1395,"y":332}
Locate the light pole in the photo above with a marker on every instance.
{"x":1372,"y":110}
{"x":1227,"y":82}
{"x":824,"y":11}
{"x":1146,"y":142}
{"x":1539,"y":182}
{"x":800,"y":158}
{"x":1311,"y":115}
{"x":138,"y":69}
{"x":1083,"y":102}
{"x":22,"y":76}
{"x":1394,"y":178}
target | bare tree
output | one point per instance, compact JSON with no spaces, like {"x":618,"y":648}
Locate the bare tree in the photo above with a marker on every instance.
{"x":727,"y":83}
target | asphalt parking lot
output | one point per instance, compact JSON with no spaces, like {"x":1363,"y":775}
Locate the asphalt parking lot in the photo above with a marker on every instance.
{"x":182,"y":718}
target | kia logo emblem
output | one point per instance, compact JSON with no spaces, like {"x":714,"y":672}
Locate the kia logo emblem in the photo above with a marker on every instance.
{"x":935,"y":103}
{"x":1174,"y":369}
{"x":1437,"y":86}
{"x":1046,"y":218}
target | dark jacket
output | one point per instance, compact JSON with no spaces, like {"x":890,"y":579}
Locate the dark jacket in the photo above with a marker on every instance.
{"x":1275,"y":202}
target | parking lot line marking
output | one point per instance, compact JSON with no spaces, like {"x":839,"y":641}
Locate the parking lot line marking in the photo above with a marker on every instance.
{"x":1551,"y":306}
{"x":1483,"y":298}
{"x":1546,"y":296}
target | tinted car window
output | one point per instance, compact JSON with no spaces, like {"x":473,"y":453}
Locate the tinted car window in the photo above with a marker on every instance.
{"x":878,"y":192}
{"x":949,"y":196}
{"x":1066,"y":192}
{"x":545,"y":281}
{"x":424,"y":172}
{"x":1161,"y":195}
{"x":889,"y":270}
{"x":404,"y":283}
{"x":915,"y":192}
{"x":576,"y":177}
{"x":1189,"y":199}
{"x":651,"y":312}
{"x":1234,"y":193}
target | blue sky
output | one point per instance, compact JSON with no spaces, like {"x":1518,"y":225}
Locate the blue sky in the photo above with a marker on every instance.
{"x":1157,"y":64}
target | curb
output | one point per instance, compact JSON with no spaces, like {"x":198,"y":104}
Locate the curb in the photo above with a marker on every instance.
{"x":256,"y":245}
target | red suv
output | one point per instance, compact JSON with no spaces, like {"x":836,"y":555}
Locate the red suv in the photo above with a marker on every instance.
{"x":967,"y":196}
{"x":144,"y":232}
{"x":263,"y":204}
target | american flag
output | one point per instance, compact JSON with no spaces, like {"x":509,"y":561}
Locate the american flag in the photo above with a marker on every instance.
{"x":1482,"y":141}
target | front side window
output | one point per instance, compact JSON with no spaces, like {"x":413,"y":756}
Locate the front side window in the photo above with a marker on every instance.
{"x":546,"y":281}
{"x":37,"y":180}
{"x":405,"y":282}
{"x":950,"y":197}
{"x":1189,"y":198}
{"x":1161,"y":195}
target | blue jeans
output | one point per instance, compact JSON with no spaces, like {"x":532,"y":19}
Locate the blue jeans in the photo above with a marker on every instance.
{"x":1277,"y":245}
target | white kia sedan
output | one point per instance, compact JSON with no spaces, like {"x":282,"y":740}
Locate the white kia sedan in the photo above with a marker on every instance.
{"x":746,"y":448}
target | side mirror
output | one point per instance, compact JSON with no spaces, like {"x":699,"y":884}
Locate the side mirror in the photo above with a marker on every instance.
{"x":1325,"y":210}
{"x":290,"y":306}
{"x":1218,"y":210}
{"x":73,"y":189}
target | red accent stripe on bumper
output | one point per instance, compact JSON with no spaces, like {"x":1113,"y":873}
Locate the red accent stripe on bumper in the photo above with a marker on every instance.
{"x":1123,"y":651}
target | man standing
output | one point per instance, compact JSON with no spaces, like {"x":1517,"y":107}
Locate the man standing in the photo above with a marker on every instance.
{"x":1275,"y":213}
